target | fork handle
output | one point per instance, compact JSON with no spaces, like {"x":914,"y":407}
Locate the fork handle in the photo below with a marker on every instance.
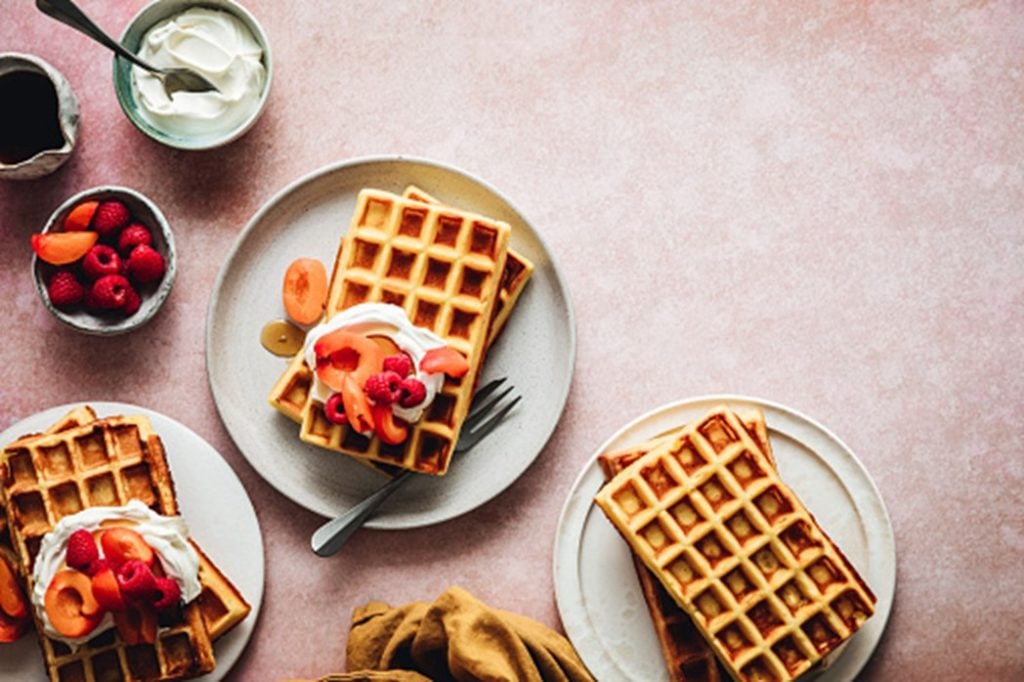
{"x":329,"y":538}
{"x":68,"y":13}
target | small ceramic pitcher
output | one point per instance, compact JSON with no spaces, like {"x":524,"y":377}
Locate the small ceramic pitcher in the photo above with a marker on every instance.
{"x":48,"y":143}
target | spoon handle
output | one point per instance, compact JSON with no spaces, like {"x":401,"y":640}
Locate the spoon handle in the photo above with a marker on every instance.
{"x":68,"y":13}
{"x":329,"y":537}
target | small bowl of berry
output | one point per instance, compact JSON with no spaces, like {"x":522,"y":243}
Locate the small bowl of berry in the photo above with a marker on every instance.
{"x":104,"y":264}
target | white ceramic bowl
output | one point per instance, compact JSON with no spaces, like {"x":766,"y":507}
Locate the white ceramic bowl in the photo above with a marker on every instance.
{"x":148,"y":17}
{"x":153,"y":297}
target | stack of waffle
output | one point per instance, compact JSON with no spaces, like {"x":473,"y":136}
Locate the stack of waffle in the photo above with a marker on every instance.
{"x":84,"y":462}
{"x":453,"y":273}
{"x":734,"y":567}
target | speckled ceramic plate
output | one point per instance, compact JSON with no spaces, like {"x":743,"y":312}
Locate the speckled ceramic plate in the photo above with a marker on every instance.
{"x":535,"y":351}
{"x":598,"y":594}
{"x":219,"y":514}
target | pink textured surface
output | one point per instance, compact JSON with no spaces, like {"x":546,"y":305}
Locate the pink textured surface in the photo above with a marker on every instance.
{"x":822,"y":206}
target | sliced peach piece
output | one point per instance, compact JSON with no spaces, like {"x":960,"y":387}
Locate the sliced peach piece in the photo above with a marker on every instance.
{"x":80,"y":217}
{"x":388,"y":346}
{"x":12,"y":599}
{"x":357,"y":405}
{"x":61,"y":248}
{"x":70,"y":605}
{"x":389,"y":429}
{"x":137,"y":624}
{"x":305,"y":290}
{"x":123,"y":544}
{"x":107,"y":591}
{"x":342,"y":353}
{"x":11,"y":629}
{"x":446,"y":360}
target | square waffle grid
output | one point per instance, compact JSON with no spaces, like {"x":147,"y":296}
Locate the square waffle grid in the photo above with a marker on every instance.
{"x":103,"y":463}
{"x":737,"y":550}
{"x":443,"y":267}
{"x":688,"y":658}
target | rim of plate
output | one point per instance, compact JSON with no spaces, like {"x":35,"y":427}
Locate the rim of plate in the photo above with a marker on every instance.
{"x":561,"y":584}
{"x":269,"y":204}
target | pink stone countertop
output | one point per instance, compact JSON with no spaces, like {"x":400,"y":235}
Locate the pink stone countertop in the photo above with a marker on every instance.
{"x":819,"y":205}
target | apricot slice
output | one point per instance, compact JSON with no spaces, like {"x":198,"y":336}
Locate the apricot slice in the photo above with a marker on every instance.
{"x":389,"y":429}
{"x":357,"y":405}
{"x":12,"y":599}
{"x":137,"y":624}
{"x":61,"y":248}
{"x":342,"y":353}
{"x":70,"y":605}
{"x":446,"y":360}
{"x":80,"y":216}
{"x":305,"y":290}
{"x":388,"y":346}
{"x":123,"y":544}
{"x":11,"y":629}
{"x":107,"y":590}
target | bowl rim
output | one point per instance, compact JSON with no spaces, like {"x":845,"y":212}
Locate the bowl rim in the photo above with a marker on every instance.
{"x":156,"y":299}
{"x":122,"y":72}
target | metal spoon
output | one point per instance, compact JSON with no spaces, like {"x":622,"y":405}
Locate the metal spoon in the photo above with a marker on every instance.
{"x":173,"y":79}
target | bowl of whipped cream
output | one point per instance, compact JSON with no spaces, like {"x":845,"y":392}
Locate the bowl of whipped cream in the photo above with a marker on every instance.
{"x":221,"y":41}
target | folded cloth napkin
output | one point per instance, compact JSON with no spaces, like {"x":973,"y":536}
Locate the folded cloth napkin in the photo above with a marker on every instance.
{"x":456,"y":637}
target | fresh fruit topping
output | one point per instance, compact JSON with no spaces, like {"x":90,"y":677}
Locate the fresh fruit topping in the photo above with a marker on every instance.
{"x":107,"y":590}
{"x":12,"y":599}
{"x":99,"y":565}
{"x":136,"y":580}
{"x":386,"y":344}
{"x":80,"y":216}
{"x":446,"y":360}
{"x":137,"y":624}
{"x":82,"y":550}
{"x":400,"y":364}
{"x":111,"y":216}
{"x":305,"y":290}
{"x":384,"y":388}
{"x":170,"y":594}
{"x":101,"y":260}
{"x":334,"y":409}
{"x":131,"y":236}
{"x":145,"y":264}
{"x":110,"y":292}
{"x":64,"y":289}
{"x":70,"y":604}
{"x":342,"y":353}
{"x":61,"y":248}
{"x":132,"y":302}
{"x":123,"y":544}
{"x":12,"y":629}
{"x":413,"y":392}
{"x":357,"y":406}
{"x":387,"y":427}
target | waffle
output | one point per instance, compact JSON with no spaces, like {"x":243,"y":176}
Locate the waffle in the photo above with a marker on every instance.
{"x":105,"y":462}
{"x":687,"y":656}
{"x":442,"y":266}
{"x":737,"y":550}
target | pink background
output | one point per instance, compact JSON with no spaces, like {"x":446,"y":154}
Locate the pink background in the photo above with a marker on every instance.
{"x":818,"y":205}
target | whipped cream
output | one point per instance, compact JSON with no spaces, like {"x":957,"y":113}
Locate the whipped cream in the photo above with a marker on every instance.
{"x":381,"y":319}
{"x":167,"y":535}
{"x":219,"y":47}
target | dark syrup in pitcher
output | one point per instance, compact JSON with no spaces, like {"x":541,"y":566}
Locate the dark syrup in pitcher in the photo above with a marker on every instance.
{"x":28,"y":116}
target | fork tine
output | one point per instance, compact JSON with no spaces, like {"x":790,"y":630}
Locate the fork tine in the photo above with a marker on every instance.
{"x":482,"y":411}
{"x":477,"y":434}
{"x":484,"y":391}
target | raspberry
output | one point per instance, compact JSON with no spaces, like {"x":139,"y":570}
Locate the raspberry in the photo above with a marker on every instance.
{"x":384,"y":388}
{"x":101,"y":260}
{"x":145,"y":264}
{"x":169,"y":594}
{"x":136,"y":580}
{"x":64,"y":289}
{"x":132,"y":302}
{"x":110,"y":292}
{"x":110,"y":217}
{"x":131,"y":236}
{"x":90,"y":302}
{"x":99,"y":565}
{"x":81,"y":550}
{"x":401,"y":364}
{"x":334,"y":410}
{"x":413,"y":392}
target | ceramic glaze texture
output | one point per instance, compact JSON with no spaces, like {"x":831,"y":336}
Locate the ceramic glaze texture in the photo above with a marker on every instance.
{"x":818,"y":204}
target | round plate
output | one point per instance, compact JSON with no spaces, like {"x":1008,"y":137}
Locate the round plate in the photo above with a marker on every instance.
{"x":598,"y":594}
{"x":307,"y":219}
{"x":219,"y":515}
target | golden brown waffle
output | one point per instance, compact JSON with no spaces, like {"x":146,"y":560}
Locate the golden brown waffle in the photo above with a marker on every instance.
{"x":102,"y":463}
{"x":443,"y":267}
{"x":222,"y":605}
{"x":688,"y":657}
{"x":737,"y":550}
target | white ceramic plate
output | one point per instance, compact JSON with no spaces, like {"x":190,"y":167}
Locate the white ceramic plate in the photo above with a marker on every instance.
{"x":598,"y":594}
{"x":536,"y":350}
{"x":212,"y":501}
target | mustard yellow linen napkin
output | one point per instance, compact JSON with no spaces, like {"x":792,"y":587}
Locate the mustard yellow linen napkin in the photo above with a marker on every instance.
{"x":456,"y":637}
